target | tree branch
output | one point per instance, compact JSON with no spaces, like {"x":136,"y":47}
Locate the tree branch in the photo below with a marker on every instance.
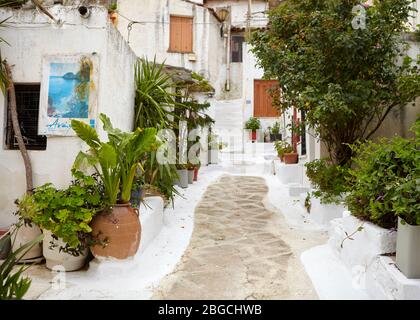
{"x":380,"y":121}
{"x":16,"y":128}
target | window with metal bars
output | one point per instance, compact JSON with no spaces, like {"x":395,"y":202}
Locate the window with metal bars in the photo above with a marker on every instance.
{"x":27,"y":103}
{"x":236,"y":46}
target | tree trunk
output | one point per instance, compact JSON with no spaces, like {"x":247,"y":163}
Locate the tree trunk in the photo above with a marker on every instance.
{"x":16,"y":129}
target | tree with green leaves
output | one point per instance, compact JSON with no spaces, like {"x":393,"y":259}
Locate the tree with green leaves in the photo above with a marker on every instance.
{"x":347,"y":79}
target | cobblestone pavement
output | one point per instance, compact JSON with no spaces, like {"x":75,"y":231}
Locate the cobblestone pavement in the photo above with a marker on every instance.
{"x":239,"y":249}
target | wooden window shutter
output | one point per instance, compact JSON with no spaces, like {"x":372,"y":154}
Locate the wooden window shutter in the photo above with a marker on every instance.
{"x":181,"y":34}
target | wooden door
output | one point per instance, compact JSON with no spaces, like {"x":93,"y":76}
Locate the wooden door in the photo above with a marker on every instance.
{"x":263,"y":107}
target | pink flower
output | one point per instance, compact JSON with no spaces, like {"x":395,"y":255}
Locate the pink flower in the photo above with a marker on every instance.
{"x":366,"y":4}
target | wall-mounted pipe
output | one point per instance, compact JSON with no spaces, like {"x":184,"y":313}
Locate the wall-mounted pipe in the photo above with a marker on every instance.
{"x":228,"y":48}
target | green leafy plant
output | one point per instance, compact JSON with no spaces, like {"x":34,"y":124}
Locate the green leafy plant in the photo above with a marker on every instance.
{"x":282,"y":147}
{"x":275,"y":129}
{"x":13,"y":286}
{"x":386,"y":182}
{"x":253,"y":124}
{"x":328,"y":180}
{"x":67,"y":212}
{"x":346,"y":79}
{"x":159,"y":178}
{"x":155,"y":97}
{"x":116,"y":161}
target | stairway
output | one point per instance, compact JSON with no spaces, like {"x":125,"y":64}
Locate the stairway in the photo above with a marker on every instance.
{"x":229,"y":123}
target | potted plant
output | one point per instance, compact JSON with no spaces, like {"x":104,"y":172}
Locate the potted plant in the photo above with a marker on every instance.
{"x":182,"y":170}
{"x":282,"y":147}
{"x":213,"y":149}
{"x":384,"y":190}
{"x":116,"y":163}
{"x":196,"y":169}
{"x":64,"y":216}
{"x":190,"y":168}
{"x":26,"y":230}
{"x":253,"y":124}
{"x":291,"y":157}
{"x":112,"y":12}
{"x":13,"y":285}
{"x":275,"y":134}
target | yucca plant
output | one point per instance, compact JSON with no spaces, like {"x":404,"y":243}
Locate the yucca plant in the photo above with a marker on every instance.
{"x":13,"y":286}
{"x":155,"y":99}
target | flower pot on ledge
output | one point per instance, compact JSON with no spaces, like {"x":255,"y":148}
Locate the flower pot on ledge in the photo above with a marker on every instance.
{"x":408,"y":254}
{"x":253,"y":135}
{"x":291,"y":158}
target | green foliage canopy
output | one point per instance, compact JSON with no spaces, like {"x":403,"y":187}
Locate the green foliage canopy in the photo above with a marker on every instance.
{"x":346,"y":79}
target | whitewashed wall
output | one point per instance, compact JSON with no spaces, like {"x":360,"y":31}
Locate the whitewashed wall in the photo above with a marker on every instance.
{"x":240,"y":11}
{"x":151,"y":37}
{"x":32,"y":35}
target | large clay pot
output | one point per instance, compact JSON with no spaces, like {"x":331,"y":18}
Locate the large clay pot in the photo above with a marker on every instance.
{"x":120,"y":228}
{"x":57,"y":259}
{"x":23,"y":235}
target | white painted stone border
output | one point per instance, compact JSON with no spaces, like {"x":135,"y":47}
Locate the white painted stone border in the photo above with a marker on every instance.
{"x":151,"y":219}
{"x":288,"y":173}
{"x":385,"y":281}
{"x":367,"y":244}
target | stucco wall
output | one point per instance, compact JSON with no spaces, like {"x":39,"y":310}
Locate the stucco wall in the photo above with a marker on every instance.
{"x":240,"y":11}
{"x":151,"y":37}
{"x":31,"y":36}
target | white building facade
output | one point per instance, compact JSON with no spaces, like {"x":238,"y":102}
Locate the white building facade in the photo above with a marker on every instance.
{"x":32,"y":36}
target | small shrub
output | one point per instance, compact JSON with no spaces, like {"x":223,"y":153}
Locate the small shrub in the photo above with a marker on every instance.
{"x":253,"y":124}
{"x":386,"y":182}
{"x":282,"y":147}
{"x":328,"y":180}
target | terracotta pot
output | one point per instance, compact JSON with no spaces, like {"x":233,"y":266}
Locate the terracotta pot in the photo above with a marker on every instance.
{"x":120,"y":228}
{"x":281,"y":158}
{"x":290,"y":158}
{"x":195,"y":174}
{"x":57,"y":259}
{"x":24,"y":235}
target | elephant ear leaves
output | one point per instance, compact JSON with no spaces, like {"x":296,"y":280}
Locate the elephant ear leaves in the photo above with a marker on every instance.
{"x":86,"y":133}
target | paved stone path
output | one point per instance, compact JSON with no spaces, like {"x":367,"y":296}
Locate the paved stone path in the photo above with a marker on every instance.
{"x":238,"y":249}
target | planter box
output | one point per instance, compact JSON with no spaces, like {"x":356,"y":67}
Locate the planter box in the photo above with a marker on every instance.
{"x":408,"y":250}
{"x":60,"y":260}
{"x":323,"y":214}
{"x":385,"y":281}
{"x":367,"y":244}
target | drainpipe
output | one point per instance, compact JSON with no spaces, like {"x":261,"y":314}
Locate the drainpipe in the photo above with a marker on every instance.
{"x":248,"y":19}
{"x":228,"y":49}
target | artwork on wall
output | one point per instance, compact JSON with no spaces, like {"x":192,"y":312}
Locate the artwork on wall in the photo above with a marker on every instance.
{"x":69,"y":90}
